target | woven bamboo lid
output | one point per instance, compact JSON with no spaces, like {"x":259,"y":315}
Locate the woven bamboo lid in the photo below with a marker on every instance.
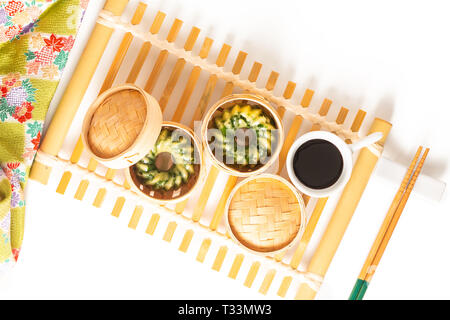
{"x":117,"y":122}
{"x":265,"y":214}
{"x":121,"y":126}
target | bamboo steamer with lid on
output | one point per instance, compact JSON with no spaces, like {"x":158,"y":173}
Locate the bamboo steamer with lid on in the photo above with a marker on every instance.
{"x":265,"y":214}
{"x":124,"y":125}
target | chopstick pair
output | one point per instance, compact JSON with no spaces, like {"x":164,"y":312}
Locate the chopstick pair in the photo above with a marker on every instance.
{"x":388,"y":226}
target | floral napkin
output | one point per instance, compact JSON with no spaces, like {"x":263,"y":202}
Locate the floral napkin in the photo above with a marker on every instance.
{"x":36,"y":37}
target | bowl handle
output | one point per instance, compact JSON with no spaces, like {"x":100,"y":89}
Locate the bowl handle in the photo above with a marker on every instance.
{"x":367,"y":141}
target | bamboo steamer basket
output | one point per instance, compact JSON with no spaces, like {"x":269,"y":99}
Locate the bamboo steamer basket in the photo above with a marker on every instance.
{"x":121,"y":126}
{"x":265,"y":214}
{"x":174,"y":196}
{"x":229,"y":102}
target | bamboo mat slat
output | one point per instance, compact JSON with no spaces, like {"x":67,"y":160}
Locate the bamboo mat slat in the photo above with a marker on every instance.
{"x":184,"y":246}
{"x":153,"y":223}
{"x":236,"y":266}
{"x":294,"y":128}
{"x":162,"y":57}
{"x":145,"y":48}
{"x":136,"y":216}
{"x":176,"y":72}
{"x":192,"y":81}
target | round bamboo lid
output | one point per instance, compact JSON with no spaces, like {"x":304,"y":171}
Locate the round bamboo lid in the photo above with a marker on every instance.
{"x":121,"y":126}
{"x":265,"y":214}
{"x":117,"y":122}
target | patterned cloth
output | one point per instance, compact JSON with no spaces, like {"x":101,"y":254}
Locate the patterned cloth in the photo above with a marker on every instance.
{"x":36,"y":37}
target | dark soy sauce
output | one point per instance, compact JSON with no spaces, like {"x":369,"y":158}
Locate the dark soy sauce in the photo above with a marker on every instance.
{"x":318,"y":164}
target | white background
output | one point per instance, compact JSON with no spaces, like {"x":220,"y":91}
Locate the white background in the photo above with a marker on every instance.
{"x":389,"y":57}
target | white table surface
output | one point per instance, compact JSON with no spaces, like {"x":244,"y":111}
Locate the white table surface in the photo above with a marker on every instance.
{"x":389,"y":57}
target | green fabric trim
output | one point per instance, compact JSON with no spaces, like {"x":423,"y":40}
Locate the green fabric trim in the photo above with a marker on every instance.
{"x":11,"y":61}
{"x":12,"y":142}
{"x":17,"y":227}
{"x":5,"y":197}
{"x":45,"y":89}
{"x":62,"y":19}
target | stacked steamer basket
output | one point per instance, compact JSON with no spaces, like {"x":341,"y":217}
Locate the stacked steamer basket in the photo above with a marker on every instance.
{"x":200,"y":224}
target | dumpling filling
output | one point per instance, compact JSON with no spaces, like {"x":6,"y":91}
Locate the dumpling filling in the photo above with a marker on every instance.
{"x":246,"y":136}
{"x":169,"y":165}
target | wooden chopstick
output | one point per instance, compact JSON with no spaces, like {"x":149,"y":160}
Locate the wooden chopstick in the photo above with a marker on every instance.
{"x":395,"y":219}
{"x":387,"y":220}
{"x":388,"y":226}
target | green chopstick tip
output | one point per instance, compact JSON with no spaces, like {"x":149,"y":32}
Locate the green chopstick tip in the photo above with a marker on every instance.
{"x":359,"y":289}
{"x":356,"y":289}
{"x":363,"y":290}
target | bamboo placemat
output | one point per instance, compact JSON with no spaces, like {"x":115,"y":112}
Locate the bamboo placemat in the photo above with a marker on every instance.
{"x":193,"y":230}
